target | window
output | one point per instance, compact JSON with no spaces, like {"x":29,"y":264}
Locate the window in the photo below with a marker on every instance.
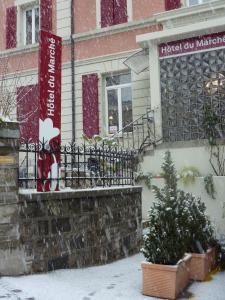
{"x":196,"y":2}
{"x":31,"y":25}
{"x":118,"y":102}
{"x":188,"y":83}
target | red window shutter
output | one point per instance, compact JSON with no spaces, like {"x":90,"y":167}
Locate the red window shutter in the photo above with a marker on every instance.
{"x":90,"y":104}
{"x":172,"y":4}
{"x":46,"y":15}
{"x":120,"y":11}
{"x":28,"y":113}
{"x":107,"y":13}
{"x":11,"y":14}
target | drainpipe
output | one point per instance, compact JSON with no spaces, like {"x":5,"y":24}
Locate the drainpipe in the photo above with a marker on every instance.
{"x":72,"y":48}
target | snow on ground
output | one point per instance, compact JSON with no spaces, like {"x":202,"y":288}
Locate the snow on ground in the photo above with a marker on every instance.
{"x":119,"y":280}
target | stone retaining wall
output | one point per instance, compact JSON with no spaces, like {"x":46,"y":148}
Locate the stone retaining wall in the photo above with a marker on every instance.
{"x":11,"y":251}
{"x":80,"y":228}
{"x":45,"y":231}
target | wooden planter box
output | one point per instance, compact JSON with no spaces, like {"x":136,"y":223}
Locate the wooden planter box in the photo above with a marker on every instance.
{"x":202,"y":264}
{"x":165,"y":281}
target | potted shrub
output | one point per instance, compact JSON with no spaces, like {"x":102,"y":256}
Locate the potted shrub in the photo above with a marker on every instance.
{"x":166,"y":272}
{"x":199,"y":238}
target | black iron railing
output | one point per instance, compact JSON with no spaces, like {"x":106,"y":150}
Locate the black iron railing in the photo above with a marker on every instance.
{"x":81,"y":166}
{"x":139,"y":134}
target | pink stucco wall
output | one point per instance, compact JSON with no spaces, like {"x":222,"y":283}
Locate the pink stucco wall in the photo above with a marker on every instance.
{"x":27,"y":61}
{"x":85,"y":20}
{"x":54,"y":16}
{"x":3,"y":5}
{"x":109,"y":44}
{"x":85,"y":15}
{"x":143,"y":9}
{"x":85,"y":12}
{"x":8,"y":3}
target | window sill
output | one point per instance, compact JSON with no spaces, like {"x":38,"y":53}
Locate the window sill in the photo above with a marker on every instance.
{"x":23,"y":49}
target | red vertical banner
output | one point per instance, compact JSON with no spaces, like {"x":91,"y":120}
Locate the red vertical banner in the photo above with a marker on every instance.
{"x":50,"y":111}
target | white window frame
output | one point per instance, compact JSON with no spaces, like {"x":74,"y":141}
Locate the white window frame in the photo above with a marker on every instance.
{"x":32,"y":8}
{"x":21,"y":6}
{"x":117,"y":87}
{"x":199,"y":2}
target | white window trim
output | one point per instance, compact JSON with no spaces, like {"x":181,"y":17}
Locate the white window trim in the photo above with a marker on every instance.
{"x":33,"y":24}
{"x":98,"y":12}
{"x":199,"y":2}
{"x":130,"y":10}
{"x":117,"y":87}
{"x":21,"y":6}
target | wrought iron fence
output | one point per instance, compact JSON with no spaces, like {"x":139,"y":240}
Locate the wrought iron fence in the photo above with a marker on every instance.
{"x":81,"y":166}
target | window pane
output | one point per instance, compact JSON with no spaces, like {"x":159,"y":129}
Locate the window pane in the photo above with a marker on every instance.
{"x":113,"y":116}
{"x":28,"y":27}
{"x":112,"y":80}
{"x":118,"y":79}
{"x":194,"y":2}
{"x":36,"y":24}
{"x":127,"y":115}
{"x":125,"y":78}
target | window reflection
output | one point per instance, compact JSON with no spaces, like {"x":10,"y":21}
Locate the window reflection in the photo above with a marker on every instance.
{"x":119,"y":103}
{"x":113,"y":116}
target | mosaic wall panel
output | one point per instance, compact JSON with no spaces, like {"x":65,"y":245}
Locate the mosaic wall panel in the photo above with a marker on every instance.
{"x":187,"y":84}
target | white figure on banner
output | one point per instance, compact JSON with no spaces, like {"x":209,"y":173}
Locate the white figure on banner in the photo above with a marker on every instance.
{"x":48,"y":168}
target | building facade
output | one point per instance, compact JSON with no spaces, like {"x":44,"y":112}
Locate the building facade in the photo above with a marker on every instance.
{"x":95,"y":45}
{"x":182,"y":43}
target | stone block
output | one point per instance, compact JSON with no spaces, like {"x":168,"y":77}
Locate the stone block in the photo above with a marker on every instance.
{"x":8,"y":197}
{"x":12,"y":262}
{"x":87,"y":205}
{"x":60,"y":225}
{"x":43,"y":227}
{"x":61,"y":262}
{"x":8,"y":232}
{"x":32,"y":210}
{"x":75,"y":206}
{"x":77,"y":242}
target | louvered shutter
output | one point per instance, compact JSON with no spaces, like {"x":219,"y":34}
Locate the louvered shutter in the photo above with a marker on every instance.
{"x":90,"y":104}
{"x":11,"y":19}
{"x":107,"y":13}
{"x":120,"y":11}
{"x":172,"y":4}
{"x":28,"y":113}
{"x":46,"y":15}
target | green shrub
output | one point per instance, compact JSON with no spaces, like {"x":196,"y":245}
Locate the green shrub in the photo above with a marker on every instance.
{"x":177,"y":222}
{"x":189,"y":174}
